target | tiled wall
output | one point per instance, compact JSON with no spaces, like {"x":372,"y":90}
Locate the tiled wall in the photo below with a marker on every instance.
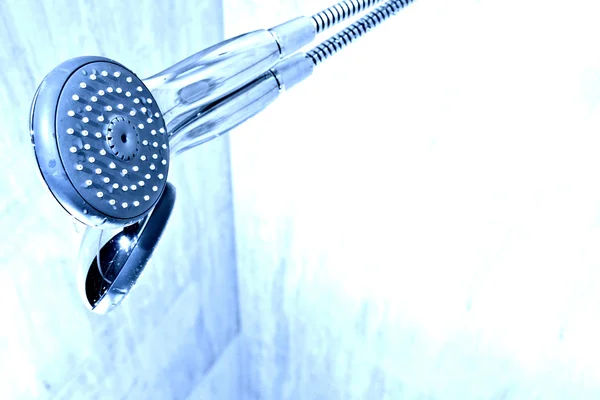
{"x":168,"y":336}
{"x":420,"y":219}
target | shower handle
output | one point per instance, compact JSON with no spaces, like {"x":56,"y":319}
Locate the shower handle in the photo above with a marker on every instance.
{"x":197,"y":81}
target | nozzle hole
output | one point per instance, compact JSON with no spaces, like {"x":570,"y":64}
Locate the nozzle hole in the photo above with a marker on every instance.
{"x":124,"y":138}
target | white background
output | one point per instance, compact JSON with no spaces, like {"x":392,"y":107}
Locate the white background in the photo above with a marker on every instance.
{"x":421,"y":218}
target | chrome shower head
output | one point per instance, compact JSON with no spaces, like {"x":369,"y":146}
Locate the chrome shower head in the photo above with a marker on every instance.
{"x":100,"y":141}
{"x":103,"y":146}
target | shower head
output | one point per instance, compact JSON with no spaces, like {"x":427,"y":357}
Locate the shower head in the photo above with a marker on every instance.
{"x":103,"y":146}
{"x":100,"y":141}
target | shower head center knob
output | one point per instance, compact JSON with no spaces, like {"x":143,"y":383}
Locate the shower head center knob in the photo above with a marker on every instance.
{"x":122,"y":138}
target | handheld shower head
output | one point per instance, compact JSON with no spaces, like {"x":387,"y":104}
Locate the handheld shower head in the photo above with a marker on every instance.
{"x":103,"y":146}
{"x":100,"y":141}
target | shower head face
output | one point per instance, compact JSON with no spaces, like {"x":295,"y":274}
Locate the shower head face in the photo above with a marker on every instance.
{"x":100,"y":141}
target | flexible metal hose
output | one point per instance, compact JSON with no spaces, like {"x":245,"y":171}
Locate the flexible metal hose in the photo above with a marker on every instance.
{"x":340,"y":12}
{"x":337,"y":42}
